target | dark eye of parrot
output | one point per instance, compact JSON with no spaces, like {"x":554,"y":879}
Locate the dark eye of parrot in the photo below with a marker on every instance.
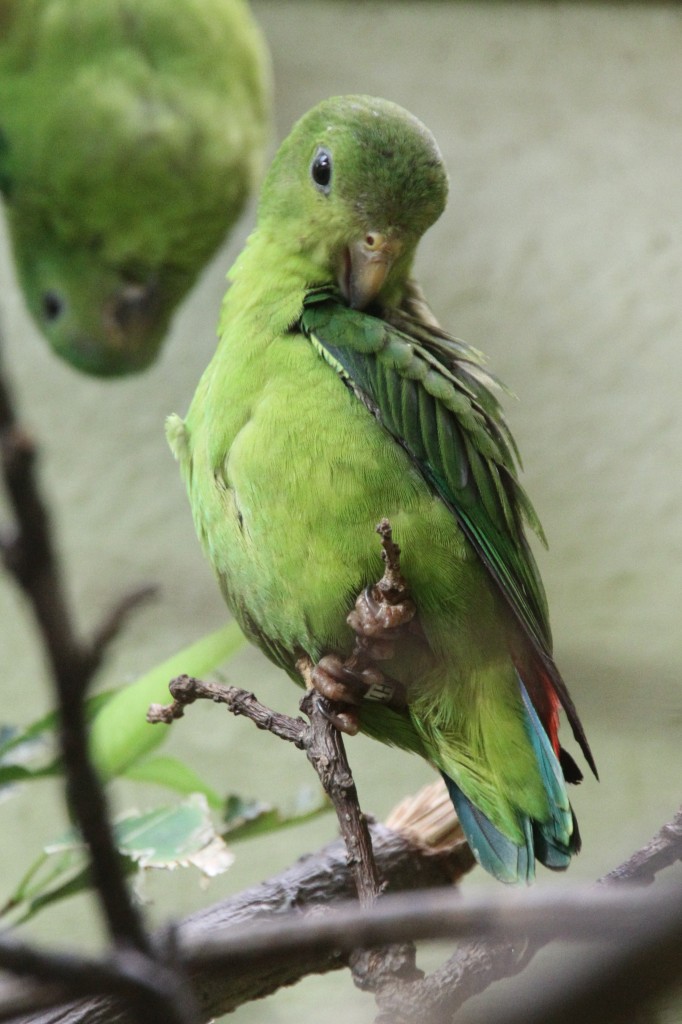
{"x":321,"y":170}
{"x":53,"y":306}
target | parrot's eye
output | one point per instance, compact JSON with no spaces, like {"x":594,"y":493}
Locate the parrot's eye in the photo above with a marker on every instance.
{"x":321,"y":170}
{"x":53,"y":306}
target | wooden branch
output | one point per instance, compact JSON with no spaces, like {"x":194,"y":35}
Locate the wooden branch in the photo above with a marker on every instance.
{"x":317,"y":881}
{"x":185,"y":690}
{"x":325,"y":750}
{"x":297,"y":944}
{"x":324,"y":878}
{"x":663,"y":850}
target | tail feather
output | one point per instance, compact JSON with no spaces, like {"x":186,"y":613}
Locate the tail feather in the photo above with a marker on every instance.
{"x":557,"y":835}
{"x":492,"y":849}
{"x":551,"y":841}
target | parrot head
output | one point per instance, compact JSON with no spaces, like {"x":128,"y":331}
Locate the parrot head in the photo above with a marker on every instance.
{"x":103,"y":320}
{"x":352,"y":190}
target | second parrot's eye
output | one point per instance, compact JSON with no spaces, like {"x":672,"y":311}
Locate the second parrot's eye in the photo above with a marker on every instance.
{"x":53,"y":306}
{"x":321,"y":169}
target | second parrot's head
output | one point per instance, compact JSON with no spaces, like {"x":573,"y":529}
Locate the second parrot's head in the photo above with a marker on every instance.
{"x":105,"y":320}
{"x":352,"y":189}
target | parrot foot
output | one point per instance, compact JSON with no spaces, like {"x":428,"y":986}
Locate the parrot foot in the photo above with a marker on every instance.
{"x":374,"y":619}
{"x":382,"y":614}
{"x":356,"y":680}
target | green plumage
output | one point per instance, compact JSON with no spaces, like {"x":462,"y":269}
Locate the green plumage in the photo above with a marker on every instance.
{"x":316,"y":419}
{"x":130,"y":137}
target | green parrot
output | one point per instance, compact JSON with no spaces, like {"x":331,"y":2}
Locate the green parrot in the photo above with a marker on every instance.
{"x":131,"y":132}
{"x":334,"y":399}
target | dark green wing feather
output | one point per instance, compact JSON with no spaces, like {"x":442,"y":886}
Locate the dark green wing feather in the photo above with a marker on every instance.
{"x":432,"y":393}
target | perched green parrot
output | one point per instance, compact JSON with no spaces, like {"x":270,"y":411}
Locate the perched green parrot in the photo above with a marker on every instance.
{"x":334,"y":399}
{"x":130,"y":135}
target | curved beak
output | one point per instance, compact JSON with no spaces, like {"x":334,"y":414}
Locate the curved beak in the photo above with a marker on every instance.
{"x":366,"y":266}
{"x":128,"y":335}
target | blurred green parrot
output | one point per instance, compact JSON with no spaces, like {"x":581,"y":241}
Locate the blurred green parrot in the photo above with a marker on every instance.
{"x":333,"y":400}
{"x":131,"y":133}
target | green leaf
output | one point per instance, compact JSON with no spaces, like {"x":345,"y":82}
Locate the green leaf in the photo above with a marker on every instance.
{"x":168,"y":837}
{"x":164,"y":837}
{"x":13,"y":773}
{"x":120,"y":733}
{"x":168,"y":771}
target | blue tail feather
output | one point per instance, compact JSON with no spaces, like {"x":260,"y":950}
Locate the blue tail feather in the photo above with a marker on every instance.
{"x":494,"y":851}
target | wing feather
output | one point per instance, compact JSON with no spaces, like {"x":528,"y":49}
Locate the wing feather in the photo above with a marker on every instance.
{"x":435,"y":397}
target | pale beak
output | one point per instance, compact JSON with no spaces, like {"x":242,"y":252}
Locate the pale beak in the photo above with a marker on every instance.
{"x":366,"y":266}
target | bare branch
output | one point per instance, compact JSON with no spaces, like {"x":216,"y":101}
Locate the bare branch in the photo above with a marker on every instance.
{"x":575,"y":914}
{"x":663,"y":850}
{"x":186,"y":690}
{"x":126,"y":976}
{"x":325,"y":750}
{"x":380,"y":612}
{"x":116,"y":619}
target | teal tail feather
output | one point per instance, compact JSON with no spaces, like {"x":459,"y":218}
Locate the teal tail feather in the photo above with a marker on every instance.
{"x":494,"y":851}
{"x":552,"y":841}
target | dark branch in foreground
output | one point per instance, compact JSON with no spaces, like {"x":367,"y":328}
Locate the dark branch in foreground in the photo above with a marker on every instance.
{"x":30,"y":557}
{"x":252,"y":944}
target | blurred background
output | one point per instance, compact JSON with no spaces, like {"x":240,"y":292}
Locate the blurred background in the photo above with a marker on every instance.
{"x":560,"y":256}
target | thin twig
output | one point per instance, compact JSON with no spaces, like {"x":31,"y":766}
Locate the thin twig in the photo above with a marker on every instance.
{"x":185,"y":690}
{"x":327,"y":754}
{"x":32,"y":560}
{"x":161,"y":995}
{"x":372,"y":969}
{"x":325,"y":750}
